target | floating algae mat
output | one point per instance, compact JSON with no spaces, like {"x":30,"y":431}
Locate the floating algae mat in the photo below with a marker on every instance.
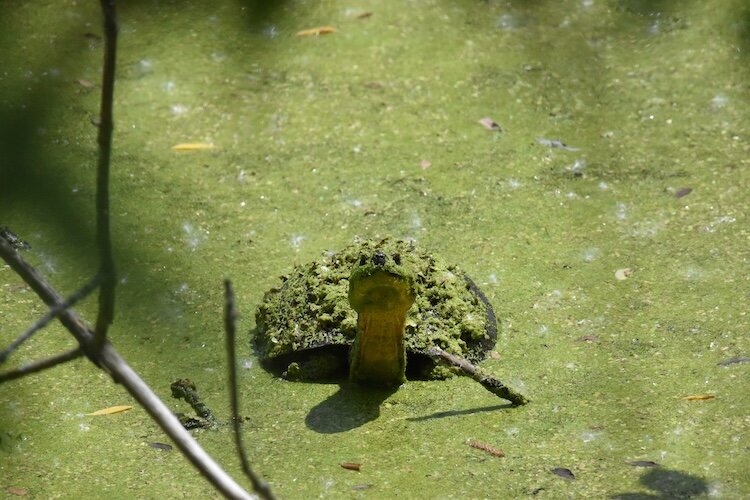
{"x":586,"y":163}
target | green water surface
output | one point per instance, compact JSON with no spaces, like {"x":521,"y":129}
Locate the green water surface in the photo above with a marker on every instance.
{"x":371,"y":131}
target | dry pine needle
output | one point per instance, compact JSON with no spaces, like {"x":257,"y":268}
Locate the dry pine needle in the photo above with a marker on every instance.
{"x":109,"y":411}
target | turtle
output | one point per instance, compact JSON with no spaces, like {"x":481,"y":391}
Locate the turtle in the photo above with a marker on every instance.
{"x":383,"y":309}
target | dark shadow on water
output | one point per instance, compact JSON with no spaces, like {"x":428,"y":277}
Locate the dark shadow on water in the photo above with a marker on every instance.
{"x":666,"y":484}
{"x":456,"y":413}
{"x":650,"y":7}
{"x":351,"y":407}
{"x":743,"y":31}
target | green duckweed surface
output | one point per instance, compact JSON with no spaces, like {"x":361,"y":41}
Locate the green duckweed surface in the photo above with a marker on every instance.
{"x":372,"y":131}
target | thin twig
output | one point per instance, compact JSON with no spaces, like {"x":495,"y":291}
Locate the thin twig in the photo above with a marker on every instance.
{"x":230,"y":325}
{"x":489,"y":382}
{"x":110,"y":360}
{"x":103,"y":236}
{"x":40,"y":365}
{"x":51,"y":314}
{"x":31,"y":276}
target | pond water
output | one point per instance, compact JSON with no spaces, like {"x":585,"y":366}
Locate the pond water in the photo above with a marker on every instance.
{"x":605,"y":216}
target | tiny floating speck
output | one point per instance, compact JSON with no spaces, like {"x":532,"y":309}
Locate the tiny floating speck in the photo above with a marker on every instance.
{"x":193,"y":146}
{"x":564,"y":473}
{"x":623,"y":274}
{"x":588,"y":338}
{"x":734,"y":361}
{"x":322,"y":30}
{"x":643,"y":463}
{"x":161,"y":446}
{"x":699,"y":397}
{"x":554,"y":143}
{"x":490,"y":124}
{"x":15,"y":490}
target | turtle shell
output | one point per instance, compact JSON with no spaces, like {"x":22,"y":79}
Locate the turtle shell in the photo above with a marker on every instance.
{"x":310,"y":309}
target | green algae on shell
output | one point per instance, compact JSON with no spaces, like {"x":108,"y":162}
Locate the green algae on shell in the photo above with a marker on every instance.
{"x":309,"y":315}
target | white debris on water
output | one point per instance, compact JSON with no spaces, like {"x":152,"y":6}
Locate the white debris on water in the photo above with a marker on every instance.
{"x":193,"y":237}
{"x":719,"y":221}
{"x":591,"y":254}
{"x":296,"y":241}
{"x":621,"y":211}
{"x":178,"y":109}
{"x":588,"y":436}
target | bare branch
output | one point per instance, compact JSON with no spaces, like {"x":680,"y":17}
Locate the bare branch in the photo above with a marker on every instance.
{"x":51,"y":314}
{"x":43,"y":364}
{"x":110,"y":360}
{"x":103,"y":237}
{"x":230,"y":324}
{"x":67,"y":317}
{"x":489,"y":382}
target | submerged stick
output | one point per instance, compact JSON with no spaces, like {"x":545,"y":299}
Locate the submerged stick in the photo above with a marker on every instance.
{"x":103,"y":234}
{"x":489,"y":382}
{"x":230,"y":325}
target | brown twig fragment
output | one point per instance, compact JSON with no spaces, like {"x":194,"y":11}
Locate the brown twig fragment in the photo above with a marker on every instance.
{"x":495,"y":452}
{"x":489,"y":382}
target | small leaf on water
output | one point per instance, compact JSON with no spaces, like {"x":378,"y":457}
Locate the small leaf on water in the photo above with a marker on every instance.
{"x":322,"y":30}
{"x":192,"y":146}
{"x":490,"y":124}
{"x":623,"y":274}
{"x":734,"y":361}
{"x":588,"y":338}
{"x":643,"y":463}
{"x":554,"y":143}
{"x":87,"y":84}
{"x":110,"y":410}
{"x":699,"y":397}
{"x":161,"y":446}
{"x":564,"y":473}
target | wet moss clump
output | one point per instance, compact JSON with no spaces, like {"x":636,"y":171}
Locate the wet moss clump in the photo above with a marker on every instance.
{"x":309,"y":312}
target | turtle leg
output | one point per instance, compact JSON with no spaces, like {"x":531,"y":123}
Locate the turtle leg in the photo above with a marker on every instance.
{"x":318,"y":367}
{"x":492,"y":384}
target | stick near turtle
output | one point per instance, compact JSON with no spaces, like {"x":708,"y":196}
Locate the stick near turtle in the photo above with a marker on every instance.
{"x":489,"y":382}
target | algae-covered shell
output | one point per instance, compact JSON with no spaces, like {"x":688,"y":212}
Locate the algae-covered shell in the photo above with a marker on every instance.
{"x":310,"y":310}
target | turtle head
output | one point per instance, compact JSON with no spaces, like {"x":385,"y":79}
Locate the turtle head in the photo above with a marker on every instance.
{"x":381,"y":291}
{"x":380,"y":282}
